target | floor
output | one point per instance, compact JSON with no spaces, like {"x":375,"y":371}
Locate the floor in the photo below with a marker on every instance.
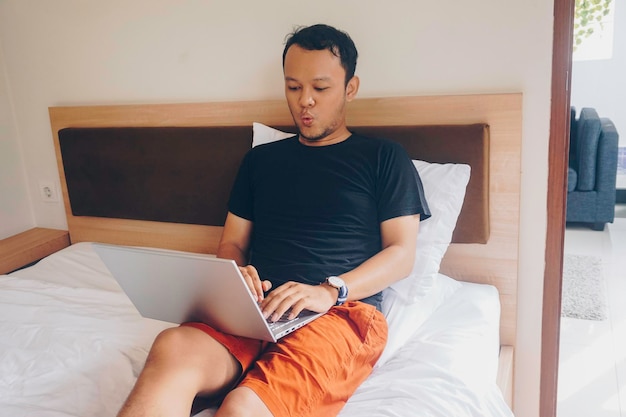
{"x":592,"y":358}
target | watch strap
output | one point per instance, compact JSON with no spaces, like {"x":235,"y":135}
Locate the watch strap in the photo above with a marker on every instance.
{"x":342,"y":289}
{"x":342,"y":296}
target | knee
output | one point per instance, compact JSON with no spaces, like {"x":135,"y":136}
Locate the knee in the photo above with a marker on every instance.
{"x":170,"y":340}
{"x":176,"y":346}
{"x":190,"y":355}
{"x":172,"y":337}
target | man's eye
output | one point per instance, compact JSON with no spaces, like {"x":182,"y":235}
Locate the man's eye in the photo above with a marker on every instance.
{"x":292,"y":88}
{"x":321,"y":88}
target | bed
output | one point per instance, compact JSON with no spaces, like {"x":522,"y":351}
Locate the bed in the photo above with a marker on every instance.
{"x":72,"y":344}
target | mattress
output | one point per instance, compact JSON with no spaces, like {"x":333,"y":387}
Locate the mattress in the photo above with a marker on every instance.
{"x":72,"y":344}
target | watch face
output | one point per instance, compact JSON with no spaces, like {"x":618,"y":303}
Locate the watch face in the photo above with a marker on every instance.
{"x":336,"y":282}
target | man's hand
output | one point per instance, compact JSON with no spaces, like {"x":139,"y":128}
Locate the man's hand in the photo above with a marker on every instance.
{"x":256,"y":286}
{"x":295,"y":297}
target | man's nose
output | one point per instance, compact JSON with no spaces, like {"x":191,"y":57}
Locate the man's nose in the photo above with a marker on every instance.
{"x":306,"y":98}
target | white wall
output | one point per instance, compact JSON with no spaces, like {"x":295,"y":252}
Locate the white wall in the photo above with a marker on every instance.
{"x":15,"y":207}
{"x":601,"y":84}
{"x":60,"y":52}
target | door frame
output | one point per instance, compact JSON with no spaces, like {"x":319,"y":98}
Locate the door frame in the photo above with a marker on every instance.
{"x":556,"y":203}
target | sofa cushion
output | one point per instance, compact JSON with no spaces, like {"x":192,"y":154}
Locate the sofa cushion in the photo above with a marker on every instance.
{"x":587,"y":136}
{"x":572,"y":134}
{"x":608,"y":148}
{"x":572,"y":178}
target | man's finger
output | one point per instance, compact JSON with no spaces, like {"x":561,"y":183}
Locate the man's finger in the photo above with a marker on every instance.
{"x":251,"y":276}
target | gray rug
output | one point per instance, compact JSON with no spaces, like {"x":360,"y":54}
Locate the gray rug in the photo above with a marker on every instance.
{"x":583,"y":292}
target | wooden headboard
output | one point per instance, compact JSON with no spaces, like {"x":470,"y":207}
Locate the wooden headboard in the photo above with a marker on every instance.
{"x":493,"y":261}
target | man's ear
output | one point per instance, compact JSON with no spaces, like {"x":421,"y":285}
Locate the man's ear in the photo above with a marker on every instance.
{"x":352,"y":88}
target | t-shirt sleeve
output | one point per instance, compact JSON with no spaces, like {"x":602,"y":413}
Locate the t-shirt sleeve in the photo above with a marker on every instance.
{"x":399,"y":191}
{"x":240,"y":202}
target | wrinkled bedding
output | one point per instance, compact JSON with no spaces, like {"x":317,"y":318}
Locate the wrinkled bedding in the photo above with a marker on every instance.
{"x":72,"y":344}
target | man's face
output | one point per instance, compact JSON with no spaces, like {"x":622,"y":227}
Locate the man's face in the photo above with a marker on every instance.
{"x":317,"y":95}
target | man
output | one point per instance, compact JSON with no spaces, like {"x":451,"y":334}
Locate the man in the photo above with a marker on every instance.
{"x":321,"y":221}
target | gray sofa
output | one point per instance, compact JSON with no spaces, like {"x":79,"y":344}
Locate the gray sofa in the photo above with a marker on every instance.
{"x":592,"y":169}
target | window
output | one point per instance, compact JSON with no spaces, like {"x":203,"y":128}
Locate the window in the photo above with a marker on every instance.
{"x":593,"y":30}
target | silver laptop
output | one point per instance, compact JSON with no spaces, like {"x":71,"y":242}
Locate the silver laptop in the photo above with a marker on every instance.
{"x":178,"y":286}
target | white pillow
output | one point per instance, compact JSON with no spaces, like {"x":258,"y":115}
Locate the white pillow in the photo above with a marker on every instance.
{"x":264,"y":134}
{"x":444,"y":187}
{"x":404,"y":318}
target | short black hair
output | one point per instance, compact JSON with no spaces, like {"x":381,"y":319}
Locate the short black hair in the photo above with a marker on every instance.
{"x":320,"y":37}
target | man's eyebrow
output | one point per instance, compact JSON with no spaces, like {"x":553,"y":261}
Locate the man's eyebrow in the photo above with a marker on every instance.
{"x":322,"y":78}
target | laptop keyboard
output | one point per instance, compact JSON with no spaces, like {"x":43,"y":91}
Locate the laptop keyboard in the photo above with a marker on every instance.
{"x":281,"y":321}
{"x":284,"y":318}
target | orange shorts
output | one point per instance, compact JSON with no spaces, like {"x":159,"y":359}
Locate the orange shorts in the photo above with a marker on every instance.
{"x":314,"y":370}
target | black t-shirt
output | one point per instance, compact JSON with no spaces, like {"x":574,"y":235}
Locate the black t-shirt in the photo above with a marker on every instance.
{"x":316,"y":211}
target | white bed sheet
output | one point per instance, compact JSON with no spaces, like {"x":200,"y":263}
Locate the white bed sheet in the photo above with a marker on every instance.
{"x":72,"y":344}
{"x":446,"y":368}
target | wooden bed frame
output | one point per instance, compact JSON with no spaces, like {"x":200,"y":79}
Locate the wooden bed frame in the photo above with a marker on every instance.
{"x":494,"y":262}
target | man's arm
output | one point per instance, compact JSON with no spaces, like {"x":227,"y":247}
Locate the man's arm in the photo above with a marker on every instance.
{"x":235,"y":244}
{"x":392,"y":263}
{"x":235,"y":240}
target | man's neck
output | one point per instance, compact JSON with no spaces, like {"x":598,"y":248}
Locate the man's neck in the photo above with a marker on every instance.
{"x":334,"y":138}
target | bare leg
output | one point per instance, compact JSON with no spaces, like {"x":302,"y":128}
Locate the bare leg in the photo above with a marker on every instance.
{"x":182,"y":363}
{"x":243,"y":402}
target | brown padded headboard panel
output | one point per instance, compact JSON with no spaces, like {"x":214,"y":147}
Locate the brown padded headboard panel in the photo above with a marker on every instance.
{"x":184,"y":174}
{"x":168,"y":174}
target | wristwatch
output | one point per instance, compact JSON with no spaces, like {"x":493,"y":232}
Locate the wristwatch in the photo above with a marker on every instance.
{"x":342,"y":289}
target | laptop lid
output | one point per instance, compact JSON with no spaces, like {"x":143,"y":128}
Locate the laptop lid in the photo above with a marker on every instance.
{"x":179,"y":286}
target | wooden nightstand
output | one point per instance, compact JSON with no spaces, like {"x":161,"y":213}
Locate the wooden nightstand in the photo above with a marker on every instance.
{"x":30,"y":246}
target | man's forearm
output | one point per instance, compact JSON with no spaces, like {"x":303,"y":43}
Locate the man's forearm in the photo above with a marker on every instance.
{"x":380,"y":271}
{"x":231,"y":251}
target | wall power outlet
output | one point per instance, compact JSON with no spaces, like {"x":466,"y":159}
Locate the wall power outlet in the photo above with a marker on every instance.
{"x":48,"y":192}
